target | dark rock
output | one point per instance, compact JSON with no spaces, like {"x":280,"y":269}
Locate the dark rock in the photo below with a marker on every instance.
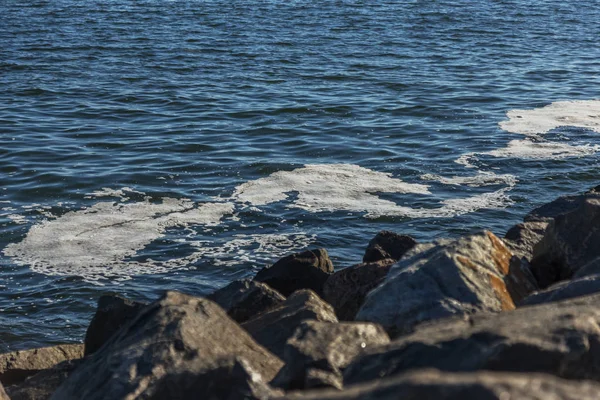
{"x":437,"y":385}
{"x":561,"y":205}
{"x":273,"y":328}
{"x":560,"y":338}
{"x":589,"y":269}
{"x":346,"y":289}
{"x":18,"y":365}
{"x":41,"y":385}
{"x":388,"y":244}
{"x":447,"y":278}
{"x":177,"y":347}
{"x":3,"y":395}
{"x":307,"y":270}
{"x":244,"y":299}
{"x":318,"y":351}
{"x":521,"y":238}
{"x":571,"y":241}
{"x":565,"y":290}
{"x":111,"y":314}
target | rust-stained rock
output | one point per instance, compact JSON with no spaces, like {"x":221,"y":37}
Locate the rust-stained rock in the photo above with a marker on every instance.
{"x":307,"y":270}
{"x":178,"y":347}
{"x":388,"y":245}
{"x":561,"y":338}
{"x":18,"y":365}
{"x":447,"y":278}
{"x":273,"y":328}
{"x":346,"y":289}
{"x":318,"y":351}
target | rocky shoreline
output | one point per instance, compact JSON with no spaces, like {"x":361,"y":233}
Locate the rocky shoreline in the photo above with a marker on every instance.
{"x":478,"y":317}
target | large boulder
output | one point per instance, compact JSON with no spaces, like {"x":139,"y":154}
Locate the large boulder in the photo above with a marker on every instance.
{"x":571,"y":241}
{"x":307,"y":270}
{"x":346,"y":289}
{"x":41,"y":385}
{"x":325,"y":349}
{"x":437,"y":385}
{"x":18,"y":365}
{"x":565,"y":290}
{"x":176,"y":347}
{"x":244,"y":299}
{"x":111,"y":314}
{"x":522,"y":238}
{"x":561,"y":205}
{"x":387,"y":245}
{"x":273,"y":328}
{"x":447,"y":278}
{"x":561,"y":338}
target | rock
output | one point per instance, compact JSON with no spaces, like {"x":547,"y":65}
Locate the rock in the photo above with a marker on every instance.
{"x":346,"y":289}
{"x":565,"y":290}
{"x":521,"y":238}
{"x":560,"y":338}
{"x":447,"y":278}
{"x":41,"y":385}
{"x":307,"y":270}
{"x":561,"y":205}
{"x":325,"y":347}
{"x":437,"y":385}
{"x":177,"y":347}
{"x":273,"y":328}
{"x":570,"y":242}
{"x":388,"y":244}
{"x":591,"y":268}
{"x":111,"y":314}
{"x":18,"y":365}
{"x":3,"y":395}
{"x":244,"y":299}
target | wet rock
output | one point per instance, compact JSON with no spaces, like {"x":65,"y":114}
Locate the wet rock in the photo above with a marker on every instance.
{"x":176,"y":347}
{"x":346,"y":289}
{"x":521,"y":238}
{"x":565,"y":290}
{"x":570,"y":242}
{"x":111,"y":314}
{"x":18,"y":365}
{"x":447,"y":278}
{"x":244,"y":299}
{"x":41,"y":385}
{"x":318,"y":351}
{"x":386,"y":245}
{"x":273,"y":328}
{"x":560,"y":338}
{"x":437,"y":385}
{"x":307,"y":270}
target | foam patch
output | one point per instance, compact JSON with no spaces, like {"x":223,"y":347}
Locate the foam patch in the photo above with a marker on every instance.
{"x":481,"y":179}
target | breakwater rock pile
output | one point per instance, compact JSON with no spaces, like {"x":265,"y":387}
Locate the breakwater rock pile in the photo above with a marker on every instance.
{"x":476,"y":317}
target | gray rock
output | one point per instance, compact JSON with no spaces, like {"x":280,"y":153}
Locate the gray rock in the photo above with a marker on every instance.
{"x":18,"y":365}
{"x":244,"y":299}
{"x":561,"y":205}
{"x":307,"y":270}
{"x":273,"y":328}
{"x":437,"y":385}
{"x":41,"y":385}
{"x":447,"y":278}
{"x":560,"y":338}
{"x":386,"y":245}
{"x":346,"y":289}
{"x":565,"y":290}
{"x":570,"y":242}
{"x":177,"y":347}
{"x":521,"y":238}
{"x":589,"y":269}
{"x":111,"y":314}
{"x":318,"y":351}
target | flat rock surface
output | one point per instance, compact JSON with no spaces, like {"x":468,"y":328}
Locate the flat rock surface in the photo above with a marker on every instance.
{"x":273,"y":328}
{"x":327,"y":347}
{"x":18,"y":365}
{"x":346,"y":289}
{"x":176,"y":347}
{"x":387,"y":245}
{"x":560,"y":338}
{"x":43,"y":384}
{"x":244,"y":299}
{"x":437,"y":385}
{"x":447,"y":278}
{"x":307,"y":270}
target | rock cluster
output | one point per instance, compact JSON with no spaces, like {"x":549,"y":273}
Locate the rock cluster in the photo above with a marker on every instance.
{"x":475,"y":317}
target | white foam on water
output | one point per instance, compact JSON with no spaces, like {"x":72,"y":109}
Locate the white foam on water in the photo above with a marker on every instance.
{"x":17,"y":218}
{"x":108,"y":192}
{"x":94,"y":242}
{"x":528,"y":149}
{"x":538,"y":121}
{"x":482,"y":178}
{"x":326,"y":187}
